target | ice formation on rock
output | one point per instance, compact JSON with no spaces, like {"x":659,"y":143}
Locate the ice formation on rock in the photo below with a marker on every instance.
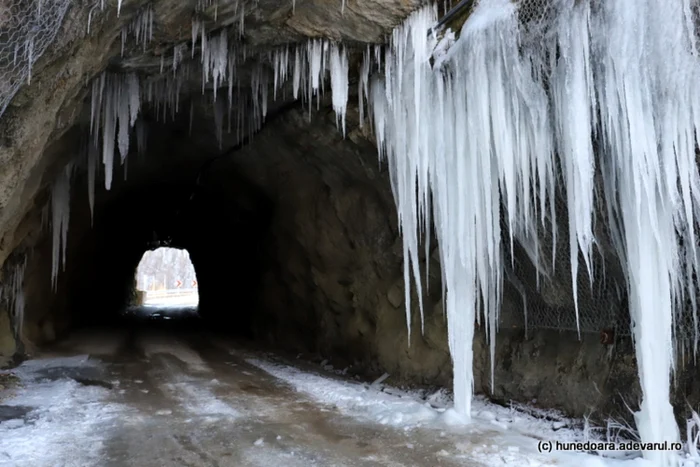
{"x":116,"y":102}
{"x":60,"y":217}
{"x":478,"y":130}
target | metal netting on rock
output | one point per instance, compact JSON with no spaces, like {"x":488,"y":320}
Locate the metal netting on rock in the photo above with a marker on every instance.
{"x":27,"y":28}
{"x":541,"y":297}
{"x":535,"y":11}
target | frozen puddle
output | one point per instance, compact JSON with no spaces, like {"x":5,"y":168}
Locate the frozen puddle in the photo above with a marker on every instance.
{"x":61,"y":416}
{"x":496,"y":436}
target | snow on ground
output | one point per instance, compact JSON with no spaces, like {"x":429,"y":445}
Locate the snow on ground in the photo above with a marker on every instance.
{"x":63,"y":416}
{"x":200,"y":401}
{"x":496,"y":436}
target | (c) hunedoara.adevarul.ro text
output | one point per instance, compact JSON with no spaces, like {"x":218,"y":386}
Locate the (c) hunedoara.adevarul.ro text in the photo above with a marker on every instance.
{"x":551,"y":446}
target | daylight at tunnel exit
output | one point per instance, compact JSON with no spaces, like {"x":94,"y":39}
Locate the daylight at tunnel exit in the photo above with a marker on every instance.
{"x":349,"y":233}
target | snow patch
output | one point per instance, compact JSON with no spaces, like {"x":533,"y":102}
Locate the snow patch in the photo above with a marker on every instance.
{"x":493,"y":436}
{"x":200,"y":401}
{"x":65,"y":422}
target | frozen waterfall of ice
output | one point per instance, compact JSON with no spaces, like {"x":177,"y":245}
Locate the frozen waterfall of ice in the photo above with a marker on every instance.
{"x":465,"y":132}
{"x":478,"y":131}
{"x":60,"y":217}
{"x":645,"y":58}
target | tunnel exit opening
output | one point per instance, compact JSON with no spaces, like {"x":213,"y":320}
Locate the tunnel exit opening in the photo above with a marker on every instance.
{"x":165,"y":277}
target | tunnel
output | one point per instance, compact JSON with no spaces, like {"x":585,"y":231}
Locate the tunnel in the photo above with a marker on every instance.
{"x":276,"y":230}
{"x":293,"y":233}
{"x":294,"y":151}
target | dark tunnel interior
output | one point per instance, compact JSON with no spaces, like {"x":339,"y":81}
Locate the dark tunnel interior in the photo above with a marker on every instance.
{"x":293,"y":236}
{"x":224,"y":239}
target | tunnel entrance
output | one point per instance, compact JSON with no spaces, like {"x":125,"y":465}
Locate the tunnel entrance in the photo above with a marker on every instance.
{"x":165,"y":277}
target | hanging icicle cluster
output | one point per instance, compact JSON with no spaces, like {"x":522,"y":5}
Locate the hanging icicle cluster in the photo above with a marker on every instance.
{"x":469,"y":134}
{"x":140,"y":28}
{"x":477,"y":132}
{"x":117,"y":98}
{"x":116,"y":102}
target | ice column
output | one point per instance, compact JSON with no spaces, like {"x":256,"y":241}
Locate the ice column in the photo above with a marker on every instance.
{"x":60,"y":212}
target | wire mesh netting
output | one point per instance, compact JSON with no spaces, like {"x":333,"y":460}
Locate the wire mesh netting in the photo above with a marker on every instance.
{"x":27,"y":28}
{"x":535,"y":11}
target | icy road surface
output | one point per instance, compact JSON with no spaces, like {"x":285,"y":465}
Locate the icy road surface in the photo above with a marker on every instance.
{"x":171,"y":394}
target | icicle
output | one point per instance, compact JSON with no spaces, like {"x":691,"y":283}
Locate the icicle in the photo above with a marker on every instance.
{"x":29,"y":52}
{"x":215,"y":61}
{"x":92,"y":156}
{"x":96,"y":101}
{"x":133,"y":91}
{"x":109,"y":125}
{"x":230,"y":77}
{"x":203,"y":40}
{"x":296,"y":80}
{"x":263,"y":101}
{"x":119,"y":7}
{"x":141,"y":28}
{"x":89,"y":20}
{"x":241,"y":24}
{"x":339,"y":82}
{"x":178,"y":55}
{"x":362,"y":84}
{"x":123,"y":119}
{"x":574,"y":107}
{"x":60,"y":211}
{"x":150,"y":26}
{"x":315,"y":52}
{"x":195,"y":31}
